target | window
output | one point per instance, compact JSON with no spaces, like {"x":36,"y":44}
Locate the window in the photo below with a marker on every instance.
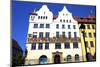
{"x":63,"y":34}
{"x":63,"y":20}
{"x":93,"y":27}
{"x":75,"y":45}
{"x":47,"y":35}
{"x":46,"y":17}
{"x":57,"y":34}
{"x":77,"y":58}
{"x":68,"y":26}
{"x":41,"y":35}
{"x":46,"y":45}
{"x":58,"y":46}
{"x":63,"y":26}
{"x":94,"y":34}
{"x":41,"y":17}
{"x":91,"y":43}
{"x":35,"y":25}
{"x":67,"y":45}
{"x":41,"y":25}
{"x":90,"y":35}
{"x":40,"y":46}
{"x":66,"y":20}
{"x":57,"y":26}
{"x":88,"y":26}
{"x":75,"y":34}
{"x":33,"y":46}
{"x":47,"y":25}
{"x":69,"y":20}
{"x":74,"y":27}
{"x":69,"y":34}
{"x":69,"y":58}
{"x":38,"y":17}
{"x":34,"y":34}
{"x":43,"y":59}
{"x":86,"y":42}
{"x":60,"y":20}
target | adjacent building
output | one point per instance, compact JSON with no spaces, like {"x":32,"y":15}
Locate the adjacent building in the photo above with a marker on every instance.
{"x":89,"y":35}
{"x":53,"y":39}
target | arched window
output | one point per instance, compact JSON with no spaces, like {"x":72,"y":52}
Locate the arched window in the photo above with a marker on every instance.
{"x":69,"y":58}
{"x":43,"y":59}
{"x":77,"y":57}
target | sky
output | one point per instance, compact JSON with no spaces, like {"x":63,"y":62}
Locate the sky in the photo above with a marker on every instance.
{"x":22,"y":10}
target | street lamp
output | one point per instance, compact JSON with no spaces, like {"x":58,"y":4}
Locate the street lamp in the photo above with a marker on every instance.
{"x":82,"y":27}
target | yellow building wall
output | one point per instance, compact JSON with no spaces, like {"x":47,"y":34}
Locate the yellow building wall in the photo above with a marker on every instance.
{"x":90,"y":49}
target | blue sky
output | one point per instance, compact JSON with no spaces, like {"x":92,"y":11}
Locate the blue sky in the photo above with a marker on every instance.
{"x":22,"y":10}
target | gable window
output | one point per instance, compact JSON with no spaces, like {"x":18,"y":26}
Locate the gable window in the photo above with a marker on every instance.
{"x":63,"y":20}
{"x":69,"y":20}
{"x":68,"y":26}
{"x":75,"y":44}
{"x":63,"y":26}
{"x":57,"y":45}
{"x":60,"y":20}
{"x":38,"y":17}
{"x":35,"y":25}
{"x":46,"y":45}
{"x":57,"y":26}
{"x":46,"y":17}
{"x":41,"y":25}
{"x":74,"y":27}
{"x":40,"y":46}
{"x":33,"y":46}
{"x":47,"y":25}
{"x":67,"y":45}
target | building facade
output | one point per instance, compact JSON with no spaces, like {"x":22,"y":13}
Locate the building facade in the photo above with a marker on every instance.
{"x":53,"y":40}
{"x":89,"y":35}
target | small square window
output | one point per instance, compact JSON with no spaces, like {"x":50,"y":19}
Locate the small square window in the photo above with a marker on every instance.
{"x":67,"y":45}
{"x":90,"y":35}
{"x":40,"y":46}
{"x":35,"y":25}
{"x":47,"y":25}
{"x":91,"y":43}
{"x":41,"y":25}
{"x":75,"y":44}
{"x":88,"y":26}
{"x":58,"y":46}
{"x":33,"y":46}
